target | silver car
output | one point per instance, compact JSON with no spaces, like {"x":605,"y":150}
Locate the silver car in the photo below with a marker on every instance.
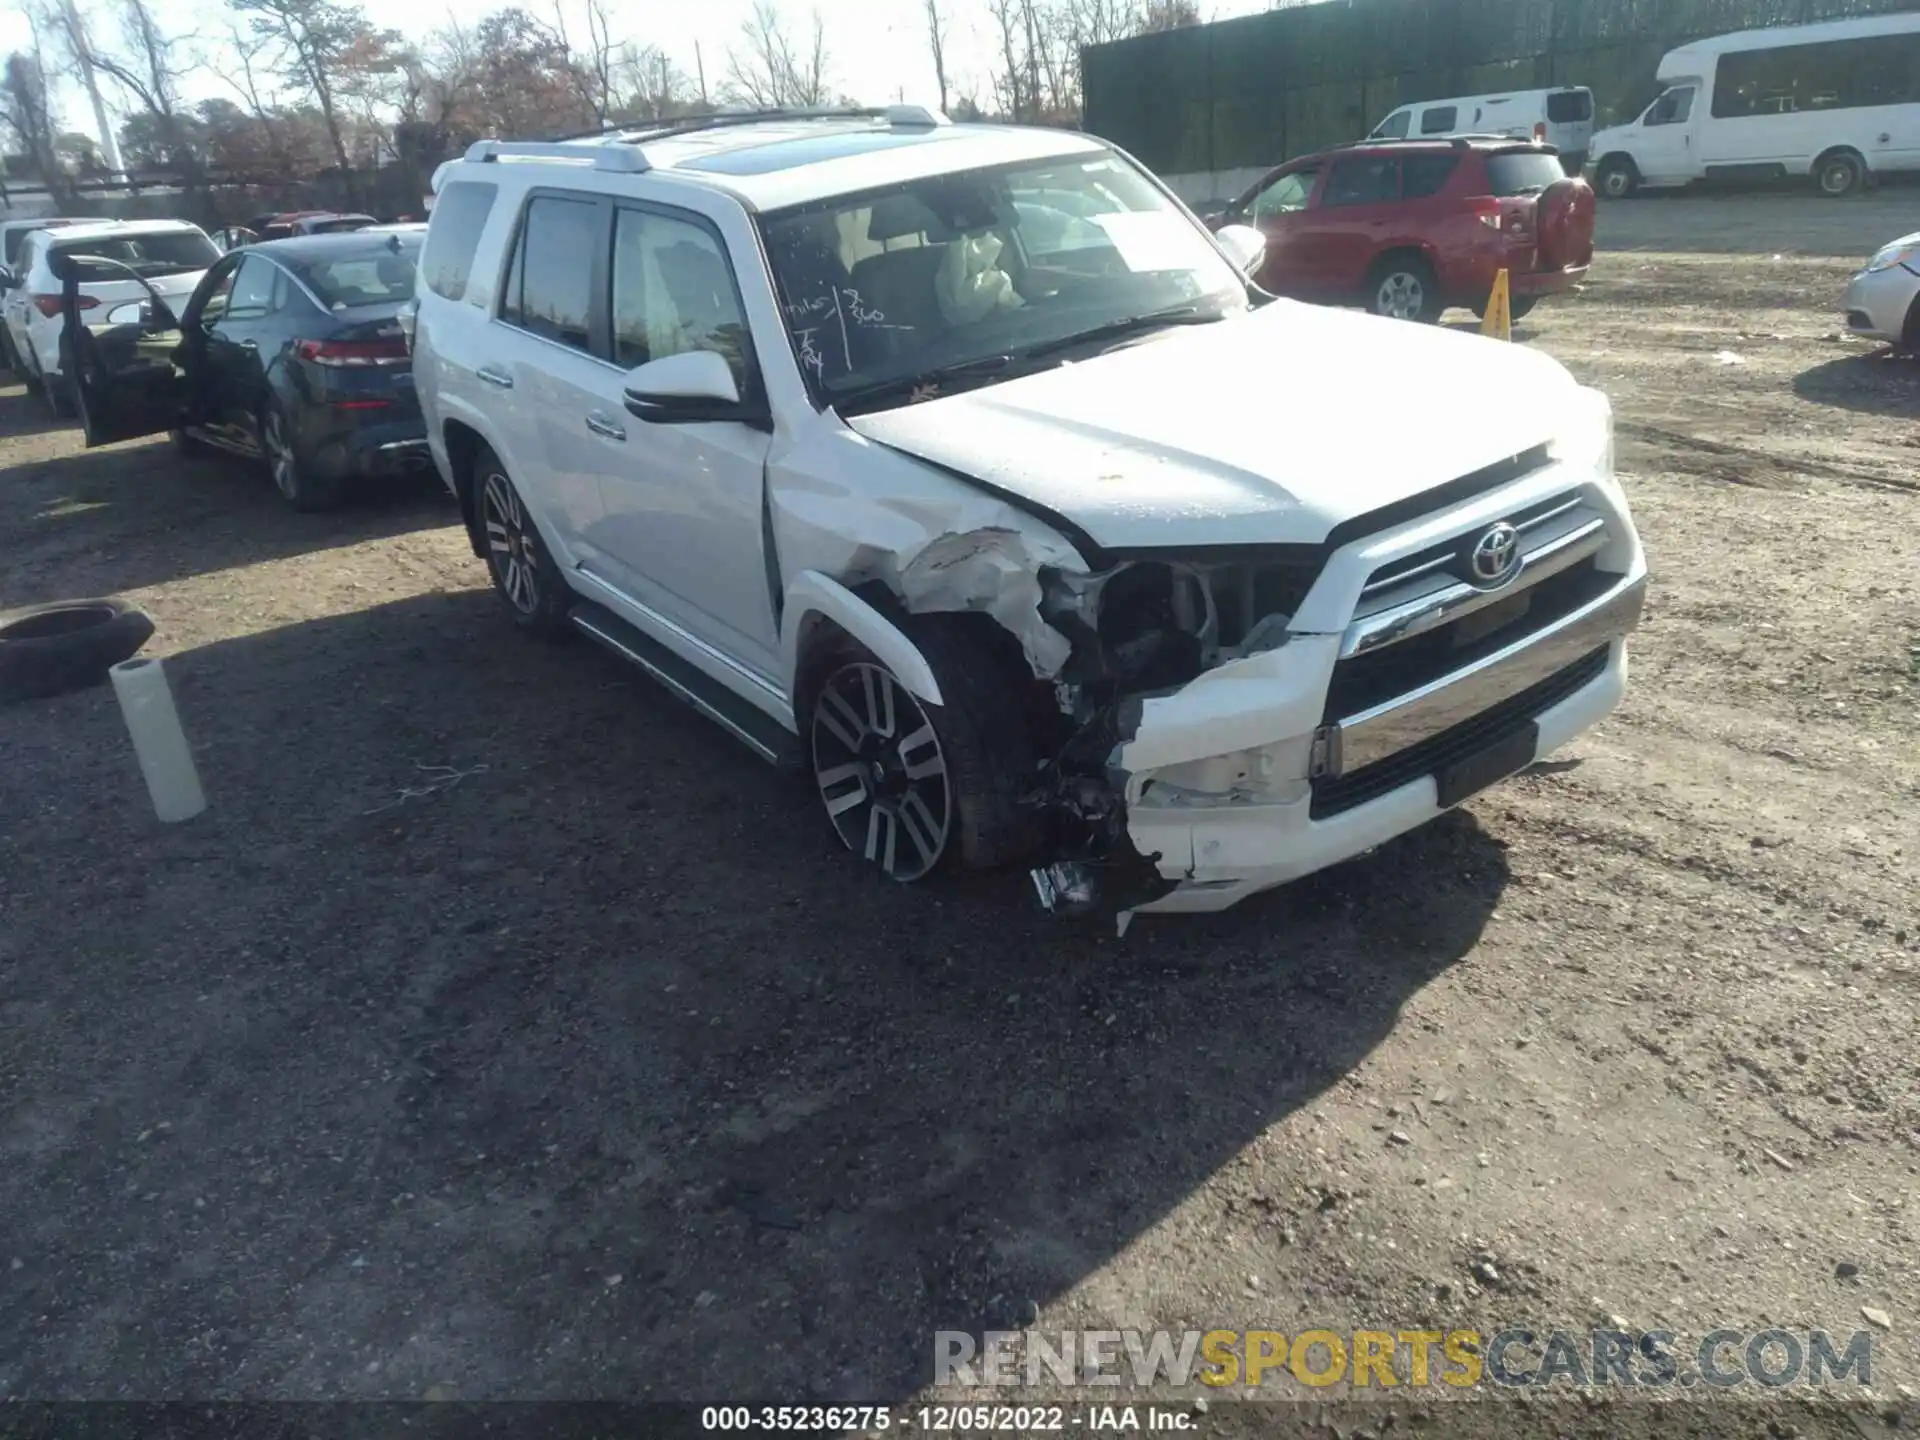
{"x":1883,"y":300}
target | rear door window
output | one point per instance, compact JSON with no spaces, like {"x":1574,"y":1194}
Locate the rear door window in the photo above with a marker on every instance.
{"x":252,"y":297}
{"x":1570,"y":107}
{"x":1425,"y":175}
{"x":1363,"y":180}
{"x":550,"y":284}
{"x":1439,"y":120}
{"x":453,"y":235}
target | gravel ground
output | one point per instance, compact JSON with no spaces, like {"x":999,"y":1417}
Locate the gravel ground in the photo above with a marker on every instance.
{"x":503,"y":1030}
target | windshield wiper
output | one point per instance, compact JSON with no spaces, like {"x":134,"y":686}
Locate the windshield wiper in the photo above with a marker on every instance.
{"x":932,"y":380}
{"x":1129,"y":325}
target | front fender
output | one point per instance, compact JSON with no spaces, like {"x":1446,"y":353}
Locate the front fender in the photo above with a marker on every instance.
{"x":812,"y":594}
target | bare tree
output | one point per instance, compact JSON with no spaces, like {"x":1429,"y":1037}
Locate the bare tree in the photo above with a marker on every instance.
{"x":937,"y":42}
{"x":29,"y":114}
{"x":768,"y":69}
{"x":312,"y":39}
{"x":147,"y":71}
{"x":652,"y":87}
{"x":1009,"y":82}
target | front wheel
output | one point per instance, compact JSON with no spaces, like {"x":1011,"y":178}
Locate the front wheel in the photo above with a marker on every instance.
{"x":1404,"y":288}
{"x":1616,"y":179}
{"x":1839,"y":175}
{"x":522,"y":567}
{"x":913,"y":788}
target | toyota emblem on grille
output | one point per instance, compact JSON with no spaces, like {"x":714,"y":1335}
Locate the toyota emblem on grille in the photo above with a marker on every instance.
{"x":1495,"y":557}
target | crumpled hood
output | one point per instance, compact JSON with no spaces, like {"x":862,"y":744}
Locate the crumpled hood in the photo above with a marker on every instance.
{"x":1268,"y":428}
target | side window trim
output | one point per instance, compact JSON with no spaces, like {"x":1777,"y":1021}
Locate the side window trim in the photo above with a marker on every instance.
{"x":603,"y":290}
{"x":509,"y":292}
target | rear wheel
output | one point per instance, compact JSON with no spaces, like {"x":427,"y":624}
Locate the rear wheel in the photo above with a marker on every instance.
{"x":1617,"y":177}
{"x":293,"y":476}
{"x":1910,"y":332}
{"x":1839,"y":174}
{"x":1403,"y":287}
{"x":522,"y":567}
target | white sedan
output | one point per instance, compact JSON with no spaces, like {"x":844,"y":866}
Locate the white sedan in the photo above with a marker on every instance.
{"x":1883,"y":300}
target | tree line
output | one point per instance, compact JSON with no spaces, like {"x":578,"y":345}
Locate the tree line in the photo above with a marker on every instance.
{"x":318,"y":88}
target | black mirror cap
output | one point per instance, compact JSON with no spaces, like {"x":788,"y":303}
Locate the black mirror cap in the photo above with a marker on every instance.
{"x":697,"y":410}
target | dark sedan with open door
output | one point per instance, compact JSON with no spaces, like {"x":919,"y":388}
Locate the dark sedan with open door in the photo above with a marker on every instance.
{"x":289,"y":352}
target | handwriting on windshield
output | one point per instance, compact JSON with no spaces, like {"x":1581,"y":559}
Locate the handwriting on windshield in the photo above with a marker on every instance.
{"x":842,"y":304}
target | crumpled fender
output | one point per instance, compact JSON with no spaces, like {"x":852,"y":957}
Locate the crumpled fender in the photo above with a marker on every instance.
{"x":812,"y":594}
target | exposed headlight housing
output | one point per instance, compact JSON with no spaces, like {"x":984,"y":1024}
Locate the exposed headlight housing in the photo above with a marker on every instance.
{"x":1901,"y":252}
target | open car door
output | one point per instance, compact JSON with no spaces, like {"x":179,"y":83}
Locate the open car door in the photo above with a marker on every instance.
{"x":125,"y":366}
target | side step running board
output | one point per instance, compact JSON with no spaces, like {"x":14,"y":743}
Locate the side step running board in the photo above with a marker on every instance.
{"x":753,"y":727}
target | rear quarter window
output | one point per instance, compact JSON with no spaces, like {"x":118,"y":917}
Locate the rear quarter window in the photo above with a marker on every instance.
{"x":460,"y":213}
{"x":1522,"y":172}
{"x":1569,"y":107}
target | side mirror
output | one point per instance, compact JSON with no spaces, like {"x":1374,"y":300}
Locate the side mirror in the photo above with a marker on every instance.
{"x":1244,"y":245}
{"x":693,"y":386}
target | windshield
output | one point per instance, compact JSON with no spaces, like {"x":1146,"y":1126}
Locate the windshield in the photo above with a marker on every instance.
{"x":165,"y":252}
{"x":958,"y":269}
{"x":1523,"y":172}
{"x":377,"y":275}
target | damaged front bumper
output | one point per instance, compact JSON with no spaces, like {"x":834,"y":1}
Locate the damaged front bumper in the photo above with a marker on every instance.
{"x":1271,"y":767}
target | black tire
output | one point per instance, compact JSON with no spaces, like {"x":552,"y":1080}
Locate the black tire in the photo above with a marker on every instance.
{"x":1403,"y":287}
{"x":9,"y":362}
{"x":969,"y":814}
{"x":1618,"y":178}
{"x":518,"y":557}
{"x":293,"y":476}
{"x":1839,"y":174}
{"x":1910,"y":332}
{"x":1521,"y":306}
{"x":50,"y":649}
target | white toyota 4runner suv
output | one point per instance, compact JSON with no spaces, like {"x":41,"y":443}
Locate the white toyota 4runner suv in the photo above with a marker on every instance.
{"x":963,"y":467}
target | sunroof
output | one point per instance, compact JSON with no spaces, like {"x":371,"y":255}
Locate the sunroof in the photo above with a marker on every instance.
{"x":805,"y":150}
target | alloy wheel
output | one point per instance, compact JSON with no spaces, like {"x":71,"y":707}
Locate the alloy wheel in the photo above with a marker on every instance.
{"x":1401,"y":296}
{"x":286,"y":475}
{"x":512,"y":545}
{"x":881,"y":771}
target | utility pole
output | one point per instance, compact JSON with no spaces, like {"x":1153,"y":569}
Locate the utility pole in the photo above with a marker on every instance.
{"x":700,"y":69}
{"x":109,"y":142}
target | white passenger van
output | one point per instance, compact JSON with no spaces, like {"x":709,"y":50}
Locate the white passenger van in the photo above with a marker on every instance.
{"x":1562,"y":118}
{"x":1837,"y":101}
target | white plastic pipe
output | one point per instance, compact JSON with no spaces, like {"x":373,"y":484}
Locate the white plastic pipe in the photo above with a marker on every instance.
{"x":158,"y":741}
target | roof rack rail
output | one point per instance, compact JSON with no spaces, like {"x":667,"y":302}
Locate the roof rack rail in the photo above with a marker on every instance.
{"x":605,"y":154}
{"x":1458,"y":142}
{"x":903,"y":116}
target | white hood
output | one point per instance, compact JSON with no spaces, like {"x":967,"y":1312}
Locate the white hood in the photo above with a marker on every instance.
{"x":1264,"y":429}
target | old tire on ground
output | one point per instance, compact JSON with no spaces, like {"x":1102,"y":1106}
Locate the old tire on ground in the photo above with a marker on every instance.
{"x":1617,"y":178}
{"x":50,"y":649}
{"x":292,"y":475}
{"x":523,"y":569}
{"x":913,"y":788}
{"x":1840,"y":173}
{"x":1402,"y":286}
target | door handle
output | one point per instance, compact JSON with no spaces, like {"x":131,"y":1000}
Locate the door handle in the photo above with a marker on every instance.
{"x":249,"y":344}
{"x":495,"y":377}
{"x":599,"y":424}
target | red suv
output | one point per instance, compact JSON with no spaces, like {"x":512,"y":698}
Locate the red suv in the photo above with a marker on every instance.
{"x":1409,"y":227}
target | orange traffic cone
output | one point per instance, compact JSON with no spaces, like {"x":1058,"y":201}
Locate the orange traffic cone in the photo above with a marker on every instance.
{"x":1498,"y":319}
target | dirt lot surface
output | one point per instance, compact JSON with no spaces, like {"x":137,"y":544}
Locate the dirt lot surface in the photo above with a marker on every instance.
{"x":587,"y":1066}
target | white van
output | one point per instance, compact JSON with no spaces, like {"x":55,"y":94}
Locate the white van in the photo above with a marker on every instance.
{"x":1837,"y":101}
{"x":1562,"y":118}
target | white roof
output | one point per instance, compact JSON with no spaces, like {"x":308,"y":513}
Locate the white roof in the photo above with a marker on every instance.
{"x":771,"y":164}
{"x":93,"y":228}
{"x":1862,"y":27}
